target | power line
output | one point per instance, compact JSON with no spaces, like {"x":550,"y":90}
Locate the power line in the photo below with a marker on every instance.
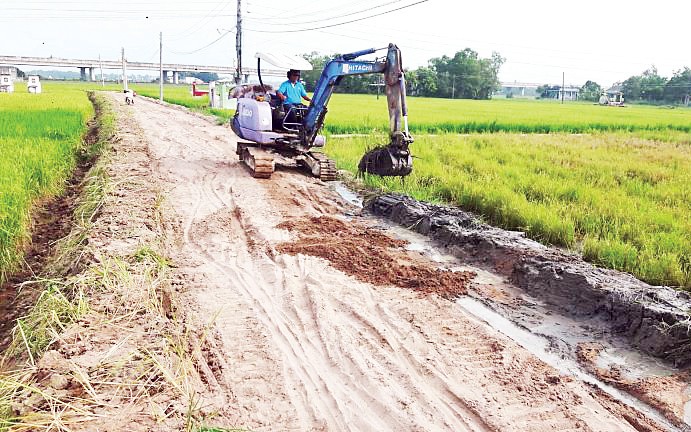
{"x":311,"y":13}
{"x":339,"y":24}
{"x":204,"y":47}
{"x":199,"y":24}
{"x":334,"y":17}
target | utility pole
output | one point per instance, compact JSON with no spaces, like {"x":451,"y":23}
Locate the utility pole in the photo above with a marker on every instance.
{"x":100,"y":65}
{"x":562,"y":87}
{"x":453,"y":87}
{"x":160,"y":69}
{"x":238,"y":46}
{"x":124,"y":69}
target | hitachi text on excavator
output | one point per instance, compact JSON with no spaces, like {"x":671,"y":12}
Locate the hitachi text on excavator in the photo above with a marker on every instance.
{"x":292,"y":138}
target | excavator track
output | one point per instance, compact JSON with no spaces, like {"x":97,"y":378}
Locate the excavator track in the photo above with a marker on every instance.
{"x":327,"y":167}
{"x":260,"y":162}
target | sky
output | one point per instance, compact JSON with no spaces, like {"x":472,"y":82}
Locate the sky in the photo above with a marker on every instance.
{"x":603,"y":41}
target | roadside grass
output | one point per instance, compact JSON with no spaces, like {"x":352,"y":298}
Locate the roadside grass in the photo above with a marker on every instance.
{"x":40,"y":139}
{"x":122,"y":294}
{"x":624,"y":202}
{"x":62,"y":302}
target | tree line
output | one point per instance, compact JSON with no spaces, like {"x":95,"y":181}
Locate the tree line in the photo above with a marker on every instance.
{"x":463,"y":76}
{"x":647,"y":87}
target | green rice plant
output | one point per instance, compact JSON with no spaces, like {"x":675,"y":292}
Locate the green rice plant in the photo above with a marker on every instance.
{"x":40,"y":137}
{"x":623,"y":201}
{"x":365,"y":113}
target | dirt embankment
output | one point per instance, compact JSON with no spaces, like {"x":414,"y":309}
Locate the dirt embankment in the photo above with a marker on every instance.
{"x":657,"y":320}
{"x":210,"y":308}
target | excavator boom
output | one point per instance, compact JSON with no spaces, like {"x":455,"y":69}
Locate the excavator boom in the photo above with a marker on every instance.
{"x":392,"y":159}
{"x":291,"y":138}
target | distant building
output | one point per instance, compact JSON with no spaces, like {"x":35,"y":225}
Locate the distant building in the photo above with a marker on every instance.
{"x":613,"y":96}
{"x":9,"y":70}
{"x":518,"y":90}
{"x":569,"y":93}
{"x":193,"y":80}
{"x":6,"y":84}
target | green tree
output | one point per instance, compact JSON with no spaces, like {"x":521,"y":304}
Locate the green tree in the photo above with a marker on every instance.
{"x":652,"y":85}
{"x":590,"y":91}
{"x":648,"y":86}
{"x":421,"y":82}
{"x":204,"y":76}
{"x":678,"y":88}
{"x":465,"y":75}
{"x":631,"y":88}
{"x":318,"y":61}
{"x":542,"y":90}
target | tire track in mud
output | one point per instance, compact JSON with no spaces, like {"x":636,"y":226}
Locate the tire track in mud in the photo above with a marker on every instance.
{"x":305,"y":347}
{"x":325,"y":390}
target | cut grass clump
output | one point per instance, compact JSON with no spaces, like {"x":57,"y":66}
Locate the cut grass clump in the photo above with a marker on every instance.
{"x":623,"y":201}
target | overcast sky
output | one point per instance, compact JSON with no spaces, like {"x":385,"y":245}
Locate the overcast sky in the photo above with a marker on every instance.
{"x":604,"y":41}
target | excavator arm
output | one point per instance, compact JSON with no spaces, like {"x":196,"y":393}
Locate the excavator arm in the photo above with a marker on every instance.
{"x":393,"y":159}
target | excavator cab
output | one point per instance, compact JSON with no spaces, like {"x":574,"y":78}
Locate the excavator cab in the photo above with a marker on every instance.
{"x":292,"y":138}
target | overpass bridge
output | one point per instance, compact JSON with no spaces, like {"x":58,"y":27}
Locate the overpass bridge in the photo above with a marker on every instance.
{"x":87,"y":67}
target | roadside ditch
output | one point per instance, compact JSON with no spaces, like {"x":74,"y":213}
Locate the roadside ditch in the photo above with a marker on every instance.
{"x":630,"y":339}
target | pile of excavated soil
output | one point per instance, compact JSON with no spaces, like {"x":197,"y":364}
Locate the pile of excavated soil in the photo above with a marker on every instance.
{"x":370,"y":256}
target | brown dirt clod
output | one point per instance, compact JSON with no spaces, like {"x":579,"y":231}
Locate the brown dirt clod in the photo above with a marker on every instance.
{"x":370,"y":256}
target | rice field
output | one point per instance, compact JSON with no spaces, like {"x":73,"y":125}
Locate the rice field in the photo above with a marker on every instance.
{"x":623,"y":202}
{"x":364,"y":113}
{"x":39,"y":138}
{"x":611,"y":183}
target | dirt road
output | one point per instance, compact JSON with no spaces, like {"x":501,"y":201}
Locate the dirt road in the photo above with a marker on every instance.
{"x":297,"y":342}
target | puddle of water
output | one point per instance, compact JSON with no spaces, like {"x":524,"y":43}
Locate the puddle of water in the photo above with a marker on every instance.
{"x":539,"y":347}
{"x":347,"y":194}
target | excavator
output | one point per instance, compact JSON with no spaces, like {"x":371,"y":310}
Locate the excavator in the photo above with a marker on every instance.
{"x":273,"y":137}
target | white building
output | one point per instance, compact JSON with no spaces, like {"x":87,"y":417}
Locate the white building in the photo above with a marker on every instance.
{"x":33,"y":84}
{"x":6,"y":83}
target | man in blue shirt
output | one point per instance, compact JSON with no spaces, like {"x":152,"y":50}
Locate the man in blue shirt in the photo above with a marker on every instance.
{"x":291,"y":93}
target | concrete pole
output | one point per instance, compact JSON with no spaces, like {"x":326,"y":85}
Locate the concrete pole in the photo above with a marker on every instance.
{"x":100,"y":64}
{"x":124,"y":70}
{"x":238,"y":46}
{"x":160,"y":69}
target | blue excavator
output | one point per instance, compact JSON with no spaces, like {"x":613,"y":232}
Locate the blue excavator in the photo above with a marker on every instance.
{"x":271,"y":136}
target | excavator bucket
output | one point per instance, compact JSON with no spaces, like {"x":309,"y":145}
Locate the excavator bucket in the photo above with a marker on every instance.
{"x":383,"y":161}
{"x":393,"y":159}
{"x":390,"y":160}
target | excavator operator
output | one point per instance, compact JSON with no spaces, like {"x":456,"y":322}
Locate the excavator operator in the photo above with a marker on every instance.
{"x":292,"y":92}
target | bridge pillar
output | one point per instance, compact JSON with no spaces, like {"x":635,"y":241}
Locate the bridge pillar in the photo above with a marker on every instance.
{"x":165,"y":76}
{"x":91,"y":74}
{"x":176,"y":77}
{"x":82,"y":73}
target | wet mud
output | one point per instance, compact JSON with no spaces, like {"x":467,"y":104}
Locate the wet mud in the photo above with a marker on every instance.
{"x":654,"y":319}
{"x":371,"y":256}
{"x":666,"y":393}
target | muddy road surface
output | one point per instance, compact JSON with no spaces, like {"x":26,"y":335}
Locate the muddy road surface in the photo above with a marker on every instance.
{"x":316,"y":319}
